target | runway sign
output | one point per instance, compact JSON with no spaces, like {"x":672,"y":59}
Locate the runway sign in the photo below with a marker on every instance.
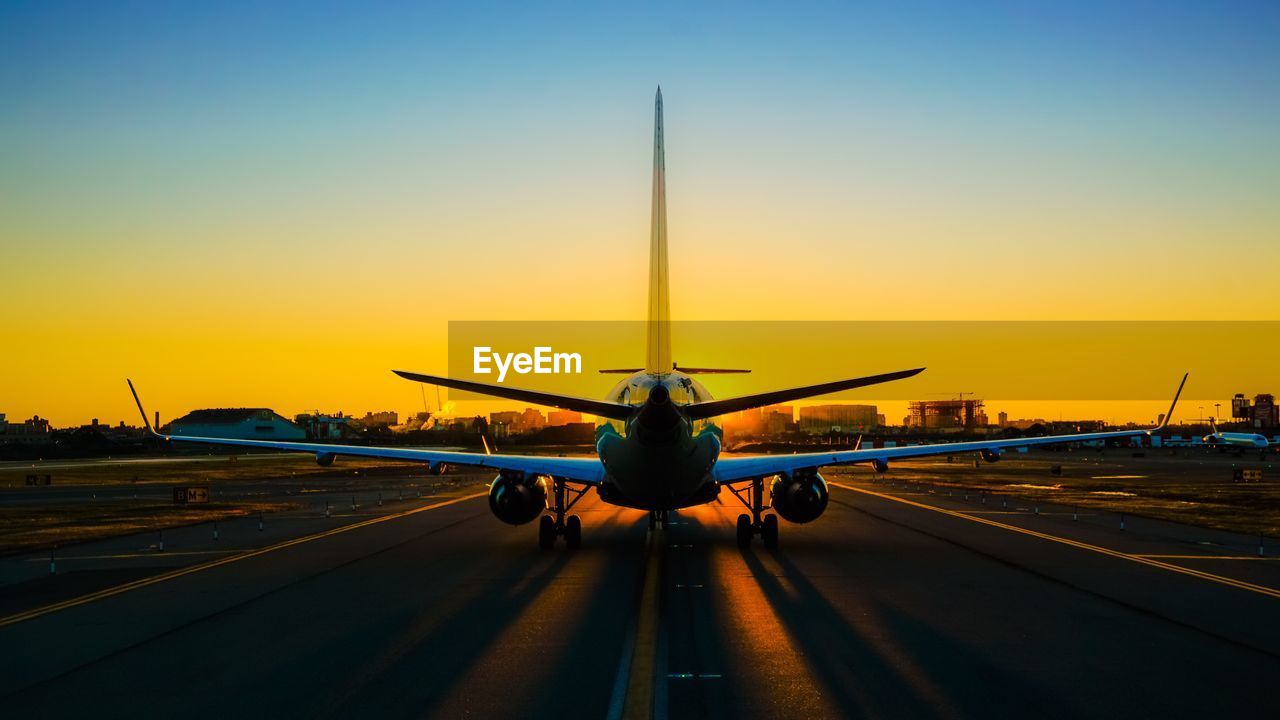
{"x":190,"y":495}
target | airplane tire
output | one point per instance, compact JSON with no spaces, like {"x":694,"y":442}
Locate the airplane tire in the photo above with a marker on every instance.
{"x":744,"y":531}
{"x":573,"y":532}
{"x":546,"y":533}
{"x":770,"y":531}
{"x":653,"y":519}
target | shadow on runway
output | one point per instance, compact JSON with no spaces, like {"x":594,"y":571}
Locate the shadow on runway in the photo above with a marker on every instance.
{"x":888,"y":663}
{"x":556,"y":613}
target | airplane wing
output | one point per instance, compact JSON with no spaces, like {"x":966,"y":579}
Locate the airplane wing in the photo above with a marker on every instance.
{"x":735,"y":469}
{"x":599,"y":408}
{"x":585,"y":470}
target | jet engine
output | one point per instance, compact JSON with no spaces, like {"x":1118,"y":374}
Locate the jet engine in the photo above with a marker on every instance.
{"x":880,"y":465}
{"x":516,"y":498}
{"x":324,"y":459}
{"x":990,"y":455}
{"x":438,"y":468}
{"x":800,"y":497}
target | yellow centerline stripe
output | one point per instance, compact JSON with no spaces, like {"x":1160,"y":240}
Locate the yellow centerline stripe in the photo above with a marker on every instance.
{"x":1232,"y":582}
{"x":644,"y":657}
{"x":173,"y":574}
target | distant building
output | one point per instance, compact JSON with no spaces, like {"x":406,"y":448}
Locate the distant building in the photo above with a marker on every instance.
{"x":1240,"y":408}
{"x":1265,"y":411}
{"x":323,"y":426}
{"x":946,"y":414}
{"x":418,"y":421}
{"x":254,"y":423}
{"x":383,"y":419}
{"x":29,"y":432}
{"x":777,"y":419}
{"x":1002,"y":419}
{"x":556,"y":418}
{"x":532,"y":420}
{"x":504,"y":424}
{"x":744,"y":424}
{"x":822,"y":419}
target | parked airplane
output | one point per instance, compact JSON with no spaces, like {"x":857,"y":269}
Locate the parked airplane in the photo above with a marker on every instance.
{"x":1246,"y":440}
{"x":667,"y":454}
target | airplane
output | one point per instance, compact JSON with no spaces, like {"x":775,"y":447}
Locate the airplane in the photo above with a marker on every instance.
{"x":1245,"y":440}
{"x":657,"y":447}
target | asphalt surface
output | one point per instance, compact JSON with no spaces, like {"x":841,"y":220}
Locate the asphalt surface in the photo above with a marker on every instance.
{"x":899,"y":602}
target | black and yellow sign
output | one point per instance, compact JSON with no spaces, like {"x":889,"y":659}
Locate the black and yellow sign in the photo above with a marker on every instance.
{"x":190,"y":495}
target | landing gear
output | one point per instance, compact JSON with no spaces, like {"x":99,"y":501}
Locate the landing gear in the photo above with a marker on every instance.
{"x":546,"y":532}
{"x":756,"y":523}
{"x":563,"y":498}
{"x":769,"y":531}
{"x":573,"y":532}
{"x":657,"y":519}
{"x":745,"y":531}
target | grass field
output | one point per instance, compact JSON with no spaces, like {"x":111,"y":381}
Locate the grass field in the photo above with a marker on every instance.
{"x":24,"y":529}
{"x":71,"y":516}
{"x":192,"y":469}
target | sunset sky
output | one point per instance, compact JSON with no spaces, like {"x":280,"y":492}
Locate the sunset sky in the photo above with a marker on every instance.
{"x":273,"y":204}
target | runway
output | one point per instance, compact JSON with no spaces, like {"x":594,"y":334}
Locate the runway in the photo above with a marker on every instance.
{"x":898,"y":602}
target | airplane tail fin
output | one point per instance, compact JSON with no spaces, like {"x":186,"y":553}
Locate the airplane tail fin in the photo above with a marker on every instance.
{"x":658,"y":325}
{"x":145,"y":422}
{"x":1164,"y":422}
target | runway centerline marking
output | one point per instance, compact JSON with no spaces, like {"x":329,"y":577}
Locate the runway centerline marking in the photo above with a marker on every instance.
{"x":1144,"y":560}
{"x":638,"y":703}
{"x":174,"y":574}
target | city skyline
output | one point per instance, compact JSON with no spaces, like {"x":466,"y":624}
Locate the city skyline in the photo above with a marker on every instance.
{"x":889,"y":413}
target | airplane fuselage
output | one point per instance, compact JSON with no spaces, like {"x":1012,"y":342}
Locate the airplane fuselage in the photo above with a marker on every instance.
{"x":658,"y":459}
{"x":1246,"y":440}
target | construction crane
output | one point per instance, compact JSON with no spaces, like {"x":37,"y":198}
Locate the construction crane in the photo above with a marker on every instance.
{"x":959,"y":395}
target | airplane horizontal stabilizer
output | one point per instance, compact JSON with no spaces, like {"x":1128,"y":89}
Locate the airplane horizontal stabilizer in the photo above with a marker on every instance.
{"x":711,"y":371}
